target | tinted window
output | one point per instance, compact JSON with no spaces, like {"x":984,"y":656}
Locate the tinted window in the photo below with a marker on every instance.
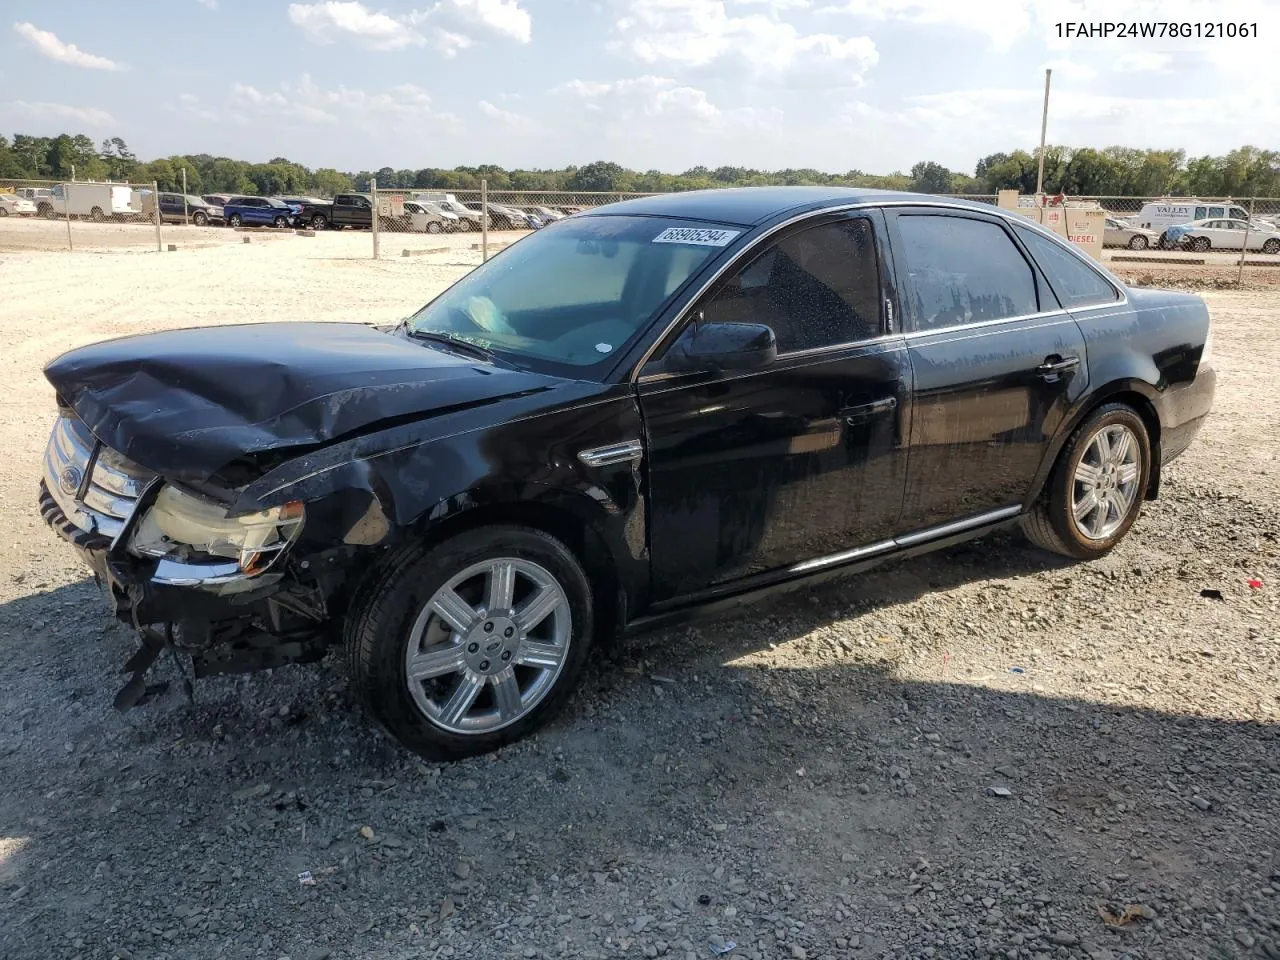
{"x":1200,"y":213}
{"x":1075,"y":282}
{"x":963,"y":271}
{"x":1217,"y":211}
{"x":815,"y":288}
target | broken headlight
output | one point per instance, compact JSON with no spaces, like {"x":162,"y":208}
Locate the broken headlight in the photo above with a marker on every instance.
{"x":183,"y":527}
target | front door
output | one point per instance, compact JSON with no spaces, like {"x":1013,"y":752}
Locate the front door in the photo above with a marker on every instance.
{"x":997,"y":364}
{"x":758,"y":472}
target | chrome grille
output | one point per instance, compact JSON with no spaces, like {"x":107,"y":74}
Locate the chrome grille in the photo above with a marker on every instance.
{"x":105,"y":501}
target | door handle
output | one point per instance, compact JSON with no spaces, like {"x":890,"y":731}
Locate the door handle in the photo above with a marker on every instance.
{"x":1055,"y":365}
{"x":866,"y":411}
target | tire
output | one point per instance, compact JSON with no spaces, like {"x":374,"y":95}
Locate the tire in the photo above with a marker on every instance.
{"x":280,"y":223}
{"x":1271,"y":246}
{"x":1200,"y":244}
{"x":1137,"y":242}
{"x":96,"y":215}
{"x":4,"y":211}
{"x":48,"y":212}
{"x":1051,"y":523}
{"x":319,"y":222}
{"x":433,"y":227}
{"x":234,"y":220}
{"x":391,"y":616}
{"x":200,"y":218}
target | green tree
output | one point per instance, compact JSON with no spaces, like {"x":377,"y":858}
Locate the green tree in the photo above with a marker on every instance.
{"x":930,"y":177}
{"x":601,"y":177}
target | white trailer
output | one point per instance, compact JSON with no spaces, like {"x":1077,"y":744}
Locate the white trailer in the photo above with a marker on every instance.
{"x":97,"y":201}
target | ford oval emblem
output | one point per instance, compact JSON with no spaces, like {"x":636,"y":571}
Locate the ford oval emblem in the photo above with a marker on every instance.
{"x":69,"y":480}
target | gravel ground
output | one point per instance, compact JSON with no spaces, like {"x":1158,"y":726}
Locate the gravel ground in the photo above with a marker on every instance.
{"x":983,"y":753}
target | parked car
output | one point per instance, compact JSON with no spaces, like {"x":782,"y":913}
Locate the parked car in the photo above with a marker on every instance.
{"x":257,"y":211}
{"x":1205,"y":235}
{"x":1119,"y":233}
{"x":12,"y":205}
{"x":345,"y":210}
{"x":420,"y":219}
{"x":217,"y":199}
{"x":546,"y":213}
{"x":452,"y":222}
{"x":175,"y":208}
{"x":661,"y":407}
{"x":501,"y":217}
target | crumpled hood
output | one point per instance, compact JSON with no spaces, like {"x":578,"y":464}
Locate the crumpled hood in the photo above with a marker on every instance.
{"x":185,"y":403}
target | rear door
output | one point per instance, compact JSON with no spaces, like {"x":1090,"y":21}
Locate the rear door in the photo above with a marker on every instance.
{"x":997,"y":364}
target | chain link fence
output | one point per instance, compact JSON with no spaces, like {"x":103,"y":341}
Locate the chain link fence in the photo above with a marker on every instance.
{"x":45,"y":214}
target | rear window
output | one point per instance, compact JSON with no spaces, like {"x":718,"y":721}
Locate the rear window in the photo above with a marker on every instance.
{"x":1075,"y":282}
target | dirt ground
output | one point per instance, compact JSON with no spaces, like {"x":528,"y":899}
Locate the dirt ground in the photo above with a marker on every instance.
{"x":983,"y":753}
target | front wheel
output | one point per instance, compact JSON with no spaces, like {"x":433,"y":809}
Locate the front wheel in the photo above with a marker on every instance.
{"x":433,"y":227}
{"x":1096,"y":490}
{"x":279,"y":223}
{"x":1137,"y":242}
{"x":96,"y":215}
{"x":1271,"y":246}
{"x":234,"y":220}
{"x":473,"y":643}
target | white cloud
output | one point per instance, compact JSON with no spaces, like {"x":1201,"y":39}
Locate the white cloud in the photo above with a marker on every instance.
{"x":53,"y":48}
{"x":208,"y":4}
{"x":448,"y":25}
{"x":1143,"y":62}
{"x":703,"y":34}
{"x":326,"y":22}
{"x":90,"y":116}
{"x":1001,"y":21}
{"x":189,"y":105}
{"x":307,"y":103}
{"x":1070,"y":70}
{"x":496,"y":113}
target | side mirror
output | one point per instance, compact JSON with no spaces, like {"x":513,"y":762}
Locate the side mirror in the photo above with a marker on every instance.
{"x":722,"y":346}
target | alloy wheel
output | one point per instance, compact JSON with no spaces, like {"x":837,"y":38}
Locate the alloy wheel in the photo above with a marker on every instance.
{"x":488,"y":646}
{"x":1104,"y":488}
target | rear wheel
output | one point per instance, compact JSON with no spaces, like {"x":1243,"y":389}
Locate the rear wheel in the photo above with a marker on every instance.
{"x":473,"y":643}
{"x":1271,"y":246}
{"x":433,"y":226}
{"x":1097,"y":487}
{"x":96,"y":215}
{"x":1137,"y":242}
{"x":4,"y":211}
{"x":234,"y":220}
{"x":318,"y":222}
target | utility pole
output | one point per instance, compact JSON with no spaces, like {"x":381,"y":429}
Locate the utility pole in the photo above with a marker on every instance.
{"x":1044,"y":125}
{"x":185,"y":219}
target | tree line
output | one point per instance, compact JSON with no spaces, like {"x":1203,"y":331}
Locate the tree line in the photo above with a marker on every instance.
{"x":1111,"y":171}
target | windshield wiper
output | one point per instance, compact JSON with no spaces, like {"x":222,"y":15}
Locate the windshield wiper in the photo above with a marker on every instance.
{"x":453,"y":342}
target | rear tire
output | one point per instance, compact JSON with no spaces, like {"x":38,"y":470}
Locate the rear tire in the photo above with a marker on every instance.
{"x":517,"y":678}
{"x":234,"y":220}
{"x":318,"y":222}
{"x":1092,"y":499}
{"x":1137,"y":242}
{"x":96,"y":215}
{"x":1271,"y":246}
{"x":4,"y":211}
{"x":433,"y":227}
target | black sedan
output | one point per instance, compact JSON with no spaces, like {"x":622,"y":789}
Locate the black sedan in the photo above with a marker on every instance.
{"x":647,"y":410}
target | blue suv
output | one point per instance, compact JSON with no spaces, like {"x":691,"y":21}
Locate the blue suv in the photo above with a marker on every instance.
{"x":261,"y":211}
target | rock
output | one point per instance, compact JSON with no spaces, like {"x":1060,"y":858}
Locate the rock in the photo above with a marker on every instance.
{"x":864,"y":789}
{"x":799,"y":953}
{"x":367,"y":832}
{"x":252,"y":793}
{"x":1201,"y":802}
{"x":462,"y":870}
{"x":1245,"y":940}
{"x":1064,"y":939}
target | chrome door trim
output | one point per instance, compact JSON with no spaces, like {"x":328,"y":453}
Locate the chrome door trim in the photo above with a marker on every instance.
{"x":999,"y":212}
{"x":622,"y":452}
{"x":957,"y":526}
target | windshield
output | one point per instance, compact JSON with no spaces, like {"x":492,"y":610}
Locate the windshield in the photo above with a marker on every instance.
{"x":571,"y":296}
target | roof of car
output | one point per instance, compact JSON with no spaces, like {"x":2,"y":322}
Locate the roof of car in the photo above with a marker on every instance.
{"x":747,"y":206}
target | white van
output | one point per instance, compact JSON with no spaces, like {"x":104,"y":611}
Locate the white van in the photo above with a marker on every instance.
{"x":1160,"y":214}
{"x":97,"y":201}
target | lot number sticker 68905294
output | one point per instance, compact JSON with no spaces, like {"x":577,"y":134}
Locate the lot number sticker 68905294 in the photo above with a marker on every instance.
{"x":701,"y":237}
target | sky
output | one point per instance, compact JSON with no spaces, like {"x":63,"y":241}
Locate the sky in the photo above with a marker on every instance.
{"x":870,"y":85}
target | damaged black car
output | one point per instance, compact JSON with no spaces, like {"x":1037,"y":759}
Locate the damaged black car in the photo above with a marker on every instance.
{"x":658,"y":408}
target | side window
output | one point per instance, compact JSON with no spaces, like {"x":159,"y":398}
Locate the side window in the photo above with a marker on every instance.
{"x":342,"y":200}
{"x":1074,"y":281}
{"x":818,"y":287}
{"x":1201,"y":213}
{"x":963,"y":271}
{"x":360,"y":203}
{"x":1217,"y":211}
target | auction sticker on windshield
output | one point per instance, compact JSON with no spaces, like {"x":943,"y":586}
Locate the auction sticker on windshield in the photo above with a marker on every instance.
{"x":700,"y":236}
